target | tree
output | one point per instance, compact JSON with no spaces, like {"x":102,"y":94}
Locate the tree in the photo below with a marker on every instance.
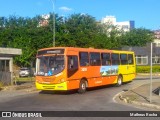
{"x":78,"y":30}
{"x":137,"y":37}
{"x":81,"y":30}
{"x":111,"y":35}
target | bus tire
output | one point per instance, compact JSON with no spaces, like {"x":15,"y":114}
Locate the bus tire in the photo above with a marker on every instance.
{"x":119,"y":81}
{"x":82,"y":86}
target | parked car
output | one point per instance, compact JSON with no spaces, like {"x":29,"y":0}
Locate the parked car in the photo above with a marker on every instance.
{"x":25,"y":72}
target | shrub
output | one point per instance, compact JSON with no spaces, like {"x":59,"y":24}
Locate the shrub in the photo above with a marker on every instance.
{"x":146,"y":69}
{"x":1,"y":85}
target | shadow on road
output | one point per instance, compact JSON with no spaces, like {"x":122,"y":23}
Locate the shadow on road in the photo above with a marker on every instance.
{"x":140,"y":95}
{"x":76,"y":91}
{"x":146,"y":77}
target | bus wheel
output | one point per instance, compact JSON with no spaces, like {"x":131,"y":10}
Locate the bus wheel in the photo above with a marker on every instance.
{"x":82,"y":87}
{"x":119,"y":81}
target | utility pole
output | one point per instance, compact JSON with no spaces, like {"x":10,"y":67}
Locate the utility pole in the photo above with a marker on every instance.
{"x":54,"y":19}
{"x":150,"y":99}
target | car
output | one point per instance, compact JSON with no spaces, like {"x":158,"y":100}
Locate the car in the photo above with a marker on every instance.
{"x":25,"y":72}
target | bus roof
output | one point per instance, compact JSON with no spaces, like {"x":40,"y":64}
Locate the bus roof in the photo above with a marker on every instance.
{"x":87,"y":49}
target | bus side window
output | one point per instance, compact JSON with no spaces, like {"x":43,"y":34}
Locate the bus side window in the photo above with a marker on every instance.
{"x":123,"y":58}
{"x":106,"y":59}
{"x":130,"y":59}
{"x":72,"y":62}
{"x":95,"y":59}
{"x":115,"y":59}
{"x":84,"y":59}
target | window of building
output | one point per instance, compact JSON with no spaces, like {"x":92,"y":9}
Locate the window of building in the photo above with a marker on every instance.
{"x":106,"y":59}
{"x":115,"y":59}
{"x":156,"y":60}
{"x":4,"y":65}
{"x":125,"y":27}
{"x":141,"y":60}
{"x":84,"y":59}
{"x":95,"y":59}
{"x":157,"y":44}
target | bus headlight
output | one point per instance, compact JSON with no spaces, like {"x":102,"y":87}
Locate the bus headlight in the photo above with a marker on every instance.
{"x":37,"y":81}
{"x":61,"y":80}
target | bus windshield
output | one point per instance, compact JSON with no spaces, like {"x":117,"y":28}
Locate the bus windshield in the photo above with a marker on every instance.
{"x":49,"y":65}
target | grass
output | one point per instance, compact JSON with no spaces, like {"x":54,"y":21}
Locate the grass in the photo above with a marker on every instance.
{"x":146,"y":69}
{"x":1,"y":85}
{"x":24,"y":79}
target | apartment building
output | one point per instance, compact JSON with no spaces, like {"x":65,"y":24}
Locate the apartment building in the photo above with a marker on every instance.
{"x":125,"y":25}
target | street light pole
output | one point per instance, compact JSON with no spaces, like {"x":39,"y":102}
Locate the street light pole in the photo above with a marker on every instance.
{"x":54,"y":19}
{"x":150,"y":99}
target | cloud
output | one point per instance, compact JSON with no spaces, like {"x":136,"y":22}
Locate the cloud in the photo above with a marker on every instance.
{"x":65,"y":9}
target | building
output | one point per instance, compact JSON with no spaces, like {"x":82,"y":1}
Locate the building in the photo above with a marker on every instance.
{"x":157,"y":34}
{"x":157,"y":37}
{"x":6,"y":64}
{"x":44,"y":21}
{"x":143,"y":54}
{"x":125,"y":25}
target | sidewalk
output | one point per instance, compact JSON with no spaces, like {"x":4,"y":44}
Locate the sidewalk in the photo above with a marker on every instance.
{"x":17,"y":90}
{"x":147,"y":75}
{"x":140,"y":96}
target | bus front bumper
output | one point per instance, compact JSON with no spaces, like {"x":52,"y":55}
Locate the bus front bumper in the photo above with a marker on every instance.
{"x":59,"y":86}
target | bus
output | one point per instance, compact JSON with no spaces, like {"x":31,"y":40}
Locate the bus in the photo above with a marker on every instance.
{"x":70,"y":68}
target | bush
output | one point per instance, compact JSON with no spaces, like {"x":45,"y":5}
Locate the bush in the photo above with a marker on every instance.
{"x":1,"y":85}
{"x":146,"y":69}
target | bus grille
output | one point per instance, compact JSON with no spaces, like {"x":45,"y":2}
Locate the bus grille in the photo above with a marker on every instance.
{"x":49,"y":87}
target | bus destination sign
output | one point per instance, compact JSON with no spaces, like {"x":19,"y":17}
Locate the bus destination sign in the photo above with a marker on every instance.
{"x":51,"y":51}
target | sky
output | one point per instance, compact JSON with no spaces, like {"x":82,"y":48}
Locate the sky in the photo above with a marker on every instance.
{"x":145,"y":13}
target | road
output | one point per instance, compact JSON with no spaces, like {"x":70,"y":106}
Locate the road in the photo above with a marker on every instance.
{"x":96,"y":99}
{"x":99,"y":99}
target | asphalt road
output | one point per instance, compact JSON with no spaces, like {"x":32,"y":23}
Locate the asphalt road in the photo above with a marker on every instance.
{"x":99,"y":99}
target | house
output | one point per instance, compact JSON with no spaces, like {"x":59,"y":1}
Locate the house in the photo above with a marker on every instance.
{"x":6,"y":64}
{"x":143,"y":54}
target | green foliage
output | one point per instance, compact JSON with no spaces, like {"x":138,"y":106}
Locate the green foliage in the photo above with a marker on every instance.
{"x":137,"y":37}
{"x":78,"y":30}
{"x":146,"y":69}
{"x":23,"y":33}
{"x":81,"y":30}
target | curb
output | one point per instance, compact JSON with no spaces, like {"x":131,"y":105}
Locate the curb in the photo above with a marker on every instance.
{"x":15,"y":87}
{"x":147,"y":74}
{"x":127,"y":100}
